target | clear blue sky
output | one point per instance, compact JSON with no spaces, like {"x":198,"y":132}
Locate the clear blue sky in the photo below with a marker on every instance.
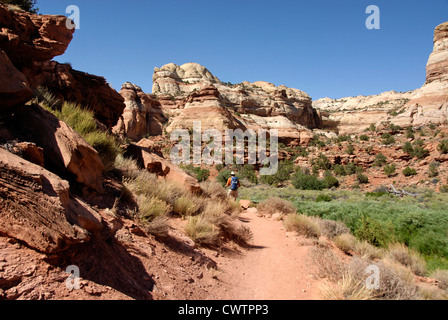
{"x":319,"y":46}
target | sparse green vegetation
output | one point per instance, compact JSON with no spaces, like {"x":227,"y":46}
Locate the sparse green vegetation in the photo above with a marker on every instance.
{"x":408,"y":172}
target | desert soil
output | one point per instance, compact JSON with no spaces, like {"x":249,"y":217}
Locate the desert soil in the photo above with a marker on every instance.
{"x":276,"y":266}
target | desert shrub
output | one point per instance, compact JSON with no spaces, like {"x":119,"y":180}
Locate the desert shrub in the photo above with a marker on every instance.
{"x":345,"y":242}
{"x":185,"y":206}
{"x":420,"y":152}
{"x":352,"y":168}
{"x":407,"y":257}
{"x":151,"y":208}
{"x":214,"y":189}
{"x":339,"y":170}
{"x":362,"y":178}
{"x":303,"y":181}
{"x":390,"y":169}
{"x":376,"y":233}
{"x":442,"y":277}
{"x":443,"y":146}
{"x":380,"y":160}
{"x":395,"y":282}
{"x":350,"y":149}
{"x":347,"y":288}
{"x":408,"y":172}
{"x":248,"y":172}
{"x":276,"y":205}
{"x":158,"y":227}
{"x":323,"y":162}
{"x":323,"y":198}
{"x":387,"y":139}
{"x":303,"y":225}
{"x":432,"y":170}
{"x":364,"y":137}
{"x":223,"y":177}
{"x":202,"y":231}
{"x":128,"y":167}
{"x":196,"y":172}
{"x":331,"y":181}
{"x":332,"y":229}
{"x":368,"y":251}
{"x":107,"y":147}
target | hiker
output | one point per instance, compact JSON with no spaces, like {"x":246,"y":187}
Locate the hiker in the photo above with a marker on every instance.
{"x":234,"y":184}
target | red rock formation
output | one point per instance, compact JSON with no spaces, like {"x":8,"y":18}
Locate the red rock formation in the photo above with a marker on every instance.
{"x":65,"y":151}
{"x":142,"y":115}
{"x":85,"y":89}
{"x":29,"y":37}
{"x":32,"y":202}
{"x":14,"y":87}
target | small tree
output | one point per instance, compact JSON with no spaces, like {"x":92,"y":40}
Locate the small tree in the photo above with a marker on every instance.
{"x":408,"y":172}
{"x":362,"y":178}
{"x":443,"y":146}
{"x":390,"y":169}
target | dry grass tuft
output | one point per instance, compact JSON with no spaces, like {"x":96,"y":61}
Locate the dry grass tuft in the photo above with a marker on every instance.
{"x":345,"y":242}
{"x":348,"y":288}
{"x":407,"y":257}
{"x":442,"y":277}
{"x":276,"y":205}
{"x":332,"y":229}
{"x":202,"y":231}
{"x":303,"y":225}
{"x":368,"y":251}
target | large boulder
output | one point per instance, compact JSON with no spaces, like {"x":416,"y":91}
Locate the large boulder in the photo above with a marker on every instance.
{"x":14,"y":89}
{"x":149,"y":158}
{"x":142,"y":115}
{"x":33,"y":206}
{"x":27,"y":37}
{"x":65,"y":151}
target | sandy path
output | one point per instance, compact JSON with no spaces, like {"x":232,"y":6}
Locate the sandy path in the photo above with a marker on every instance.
{"x":276,"y":268}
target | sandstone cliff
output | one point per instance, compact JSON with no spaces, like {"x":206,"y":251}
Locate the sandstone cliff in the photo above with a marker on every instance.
{"x":191,"y":92}
{"x":428,"y":104}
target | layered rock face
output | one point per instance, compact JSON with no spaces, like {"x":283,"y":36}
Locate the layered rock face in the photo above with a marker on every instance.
{"x":142,"y":115}
{"x":429,"y":104}
{"x":191,"y":92}
{"x":28,"y":37}
{"x":355,"y":114}
{"x":86,"y":89}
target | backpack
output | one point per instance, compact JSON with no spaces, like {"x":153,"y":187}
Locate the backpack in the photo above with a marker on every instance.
{"x":234,"y":184}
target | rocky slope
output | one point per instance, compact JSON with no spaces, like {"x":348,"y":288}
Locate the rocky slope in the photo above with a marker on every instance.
{"x":191,"y":92}
{"x":422,"y":106}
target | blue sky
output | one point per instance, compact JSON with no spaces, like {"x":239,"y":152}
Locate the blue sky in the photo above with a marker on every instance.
{"x":321,"y":46}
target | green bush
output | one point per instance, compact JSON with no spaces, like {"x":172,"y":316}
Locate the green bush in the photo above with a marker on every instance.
{"x":331,"y":181}
{"x":408,"y":148}
{"x":350,"y":149}
{"x":443,"y":146}
{"x":303,"y":181}
{"x":362,"y":178}
{"x":248,"y":172}
{"x":375,"y":232}
{"x":380,"y":160}
{"x":339,"y":170}
{"x":387,"y":139}
{"x":223,"y":177}
{"x":408,"y":172}
{"x":390,"y":169}
{"x":107,"y":147}
{"x":432,"y":170}
{"x":420,"y":152}
{"x":364,"y":137}
{"x":323,"y":198}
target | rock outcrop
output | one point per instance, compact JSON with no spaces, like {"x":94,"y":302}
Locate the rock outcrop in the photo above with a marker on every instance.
{"x":33,"y":204}
{"x":426,"y":105}
{"x":142,"y":115}
{"x":14,"y":88}
{"x":30,"y":37}
{"x":88,"y":90}
{"x":190,"y":92}
{"x":65,"y":151}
